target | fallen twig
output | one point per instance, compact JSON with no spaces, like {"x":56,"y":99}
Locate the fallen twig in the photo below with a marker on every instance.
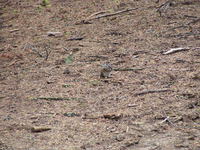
{"x":75,"y":39}
{"x":47,"y":50}
{"x":132,"y":105}
{"x":163,"y":8}
{"x":194,"y":21}
{"x":174,"y":50}
{"x":97,"y":13}
{"x":106,"y":15}
{"x":86,"y":116}
{"x":112,"y":116}
{"x":151,"y":91}
{"x":54,"y":98}
{"x":166,"y":119}
{"x":127,"y":69}
{"x":40,"y":129}
{"x":14,"y":30}
{"x":184,"y":25}
{"x":56,"y":34}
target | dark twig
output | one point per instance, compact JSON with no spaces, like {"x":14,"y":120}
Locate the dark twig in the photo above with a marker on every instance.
{"x":185,"y":25}
{"x":127,"y":69}
{"x":151,"y":91}
{"x":75,"y":39}
{"x":194,"y":21}
{"x":164,"y":7}
{"x":47,"y":50}
{"x":55,"y":98}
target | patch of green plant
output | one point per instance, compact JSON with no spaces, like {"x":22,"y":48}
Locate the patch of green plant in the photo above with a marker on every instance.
{"x":45,"y":3}
{"x":69,"y":59}
{"x":66,"y":85}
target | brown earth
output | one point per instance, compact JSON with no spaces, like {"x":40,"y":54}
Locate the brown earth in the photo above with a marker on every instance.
{"x":53,"y":81}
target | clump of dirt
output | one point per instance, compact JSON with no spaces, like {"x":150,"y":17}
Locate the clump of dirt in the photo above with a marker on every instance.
{"x":149,"y":101}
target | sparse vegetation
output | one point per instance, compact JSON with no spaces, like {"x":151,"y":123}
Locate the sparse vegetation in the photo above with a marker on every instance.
{"x":45,"y":3}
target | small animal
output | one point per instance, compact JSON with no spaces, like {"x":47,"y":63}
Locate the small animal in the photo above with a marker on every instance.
{"x":106,"y":70}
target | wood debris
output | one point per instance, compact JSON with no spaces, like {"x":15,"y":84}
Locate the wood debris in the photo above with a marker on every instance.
{"x":102,"y":14}
{"x":151,"y":91}
{"x":40,"y":129}
{"x":174,"y":50}
{"x":56,"y":34}
{"x":111,"y":116}
{"x":127,"y":69}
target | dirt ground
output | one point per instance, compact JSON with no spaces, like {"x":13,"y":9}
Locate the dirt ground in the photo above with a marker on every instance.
{"x":51,"y":93}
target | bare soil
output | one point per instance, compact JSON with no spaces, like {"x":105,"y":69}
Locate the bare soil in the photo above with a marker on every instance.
{"x":54,"y":81}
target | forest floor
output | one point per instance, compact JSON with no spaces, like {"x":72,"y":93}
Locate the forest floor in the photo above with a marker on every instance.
{"x":51,"y":93}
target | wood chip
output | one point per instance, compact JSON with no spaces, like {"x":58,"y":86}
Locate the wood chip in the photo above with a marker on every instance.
{"x":174,"y":50}
{"x":56,"y":34}
{"x":40,"y":129}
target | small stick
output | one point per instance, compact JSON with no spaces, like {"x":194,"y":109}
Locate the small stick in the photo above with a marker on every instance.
{"x":151,"y":91}
{"x":75,"y":39}
{"x":196,"y":48}
{"x":163,"y":8}
{"x":166,"y":119}
{"x":127,"y":69}
{"x":194,"y":21}
{"x":40,"y":129}
{"x":91,"y":117}
{"x":47,"y":50}
{"x":132,"y":105}
{"x":174,"y":50}
{"x":54,"y":98}
{"x":56,"y":34}
{"x":14,"y":30}
{"x":97,"y":13}
{"x":127,"y":129}
{"x":110,"y":14}
{"x":185,"y":25}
